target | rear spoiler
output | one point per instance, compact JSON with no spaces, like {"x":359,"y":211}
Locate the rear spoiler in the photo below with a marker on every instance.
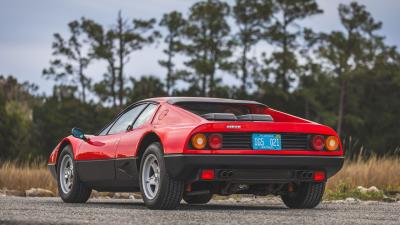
{"x":232,"y":117}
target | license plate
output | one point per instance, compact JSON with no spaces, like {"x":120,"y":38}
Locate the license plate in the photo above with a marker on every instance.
{"x":266,"y":141}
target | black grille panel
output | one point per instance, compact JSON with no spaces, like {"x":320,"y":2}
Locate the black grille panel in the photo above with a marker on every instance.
{"x":289,"y":141}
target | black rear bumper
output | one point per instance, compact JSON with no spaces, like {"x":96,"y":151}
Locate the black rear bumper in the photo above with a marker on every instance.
{"x":187,"y":167}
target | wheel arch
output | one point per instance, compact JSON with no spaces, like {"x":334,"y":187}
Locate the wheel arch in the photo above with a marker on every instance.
{"x":62,"y":145}
{"x":65,"y":142}
{"x":147,"y":139}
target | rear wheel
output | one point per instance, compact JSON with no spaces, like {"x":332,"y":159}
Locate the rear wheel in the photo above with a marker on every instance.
{"x":198,"y":199}
{"x":304,"y":196}
{"x":70,"y":188}
{"x":159,"y":191}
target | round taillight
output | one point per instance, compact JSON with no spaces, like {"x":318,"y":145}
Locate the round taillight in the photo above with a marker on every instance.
{"x":318,"y":142}
{"x":199,"y":141}
{"x":215,"y":141}
{"x":332,"y":143}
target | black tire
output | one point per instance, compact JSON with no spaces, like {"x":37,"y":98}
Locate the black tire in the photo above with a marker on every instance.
{"x":78,"y":193}
{"x":305,"y":196}
{"x":170,"y":191}
{"x":198,"y":199}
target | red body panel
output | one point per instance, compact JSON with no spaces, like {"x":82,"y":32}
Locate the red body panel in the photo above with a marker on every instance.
{"x":98,"y":147}
{"x":174,"y":126}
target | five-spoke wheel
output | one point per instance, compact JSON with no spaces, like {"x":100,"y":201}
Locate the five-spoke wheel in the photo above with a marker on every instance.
{"x":159,"y":191}
{"x":70,"y":187}
{"x":66,"y":173}
{"x":151,"y":176}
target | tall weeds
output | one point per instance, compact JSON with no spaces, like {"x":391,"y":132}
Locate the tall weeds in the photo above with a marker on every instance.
{"x":23,"y":176}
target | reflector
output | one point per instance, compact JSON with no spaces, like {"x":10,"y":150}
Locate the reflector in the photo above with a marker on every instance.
{"x":207,"y":174}
{"x":319,"y":176}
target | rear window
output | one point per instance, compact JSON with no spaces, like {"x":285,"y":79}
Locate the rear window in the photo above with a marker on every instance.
{"x":201,"y":108}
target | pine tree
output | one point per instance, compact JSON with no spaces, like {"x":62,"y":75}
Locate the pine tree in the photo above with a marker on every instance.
{"x":71,"y":59}
{"x":250,"y":16}
{"x":284,"y":33}
{"x":174,"y":23}
{"x":349,"y":51}
{"x":115,"y":46}
{"x":208,"y":46}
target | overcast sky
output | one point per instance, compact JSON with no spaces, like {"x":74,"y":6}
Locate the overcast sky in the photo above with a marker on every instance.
{"x":26,"y":29}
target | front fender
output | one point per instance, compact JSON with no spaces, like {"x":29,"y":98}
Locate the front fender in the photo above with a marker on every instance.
{"x":70,"y":140}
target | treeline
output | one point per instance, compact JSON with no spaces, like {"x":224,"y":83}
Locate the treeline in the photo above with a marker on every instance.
{"x":251,"y":49}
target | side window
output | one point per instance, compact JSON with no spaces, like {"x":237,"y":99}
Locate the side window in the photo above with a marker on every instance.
{"x":126,"y":119}
{"x":105,"y":130}
{"x":145,"y":116}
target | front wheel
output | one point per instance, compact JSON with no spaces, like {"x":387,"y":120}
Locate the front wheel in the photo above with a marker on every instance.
{"x":71,"y":189}
{"x":159,"y":191}
{"x":304,"y":196}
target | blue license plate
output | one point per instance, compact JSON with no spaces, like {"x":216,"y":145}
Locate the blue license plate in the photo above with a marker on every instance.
{"x":266,"y":142}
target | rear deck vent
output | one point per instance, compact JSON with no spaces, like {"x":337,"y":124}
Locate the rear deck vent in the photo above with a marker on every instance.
{"x":255,"y":117}
{"x":220,"y":116}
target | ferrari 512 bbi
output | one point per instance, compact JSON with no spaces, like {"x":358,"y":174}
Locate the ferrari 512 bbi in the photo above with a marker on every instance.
{"x":191,"y":148}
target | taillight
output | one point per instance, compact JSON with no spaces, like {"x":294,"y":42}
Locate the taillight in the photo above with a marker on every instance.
{"x":332,"y":143}
{"x":318,"y":142}
{"x":199,"y":141}
{"x":215,"y":141}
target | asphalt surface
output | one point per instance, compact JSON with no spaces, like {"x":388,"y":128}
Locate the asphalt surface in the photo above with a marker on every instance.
{"x":19,"y":210}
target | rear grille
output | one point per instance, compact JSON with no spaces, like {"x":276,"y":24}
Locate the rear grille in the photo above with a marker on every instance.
{"x":289,"y":141}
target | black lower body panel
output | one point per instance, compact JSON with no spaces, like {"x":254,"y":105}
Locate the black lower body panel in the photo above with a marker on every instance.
{"x":252,"y":168}
{"x":114,"y":175}
{"x":53,"y":171}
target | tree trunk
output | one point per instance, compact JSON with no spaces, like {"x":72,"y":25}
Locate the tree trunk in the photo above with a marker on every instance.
{"x":204,"y":77}
{"x":121,"y":51}
{"x":169,"y":73}
{"x":307,"y":109}
{"x":204,"y":85}
{"x":113,"y":81}
{"x":82,"y":81}
{"x":284,"y":75}
{"x":343,"y":87}
{"x":244,"y":70}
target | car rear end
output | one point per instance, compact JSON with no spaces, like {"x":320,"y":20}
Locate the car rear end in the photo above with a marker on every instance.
{"x":247,"y":147}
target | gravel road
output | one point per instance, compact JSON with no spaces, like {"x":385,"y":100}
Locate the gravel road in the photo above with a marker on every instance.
{"x":19,"y":210}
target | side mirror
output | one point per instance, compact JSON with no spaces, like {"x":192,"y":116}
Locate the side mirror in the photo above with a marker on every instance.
{"x":78,"y":133}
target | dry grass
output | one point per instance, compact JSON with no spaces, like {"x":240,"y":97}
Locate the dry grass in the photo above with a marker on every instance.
{"x":383,"y":173}
{"x":24,"y":176}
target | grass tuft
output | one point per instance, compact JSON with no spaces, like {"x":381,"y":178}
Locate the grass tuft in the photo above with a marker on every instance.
{"x":23,"y":176}
{"x":383,"y":172}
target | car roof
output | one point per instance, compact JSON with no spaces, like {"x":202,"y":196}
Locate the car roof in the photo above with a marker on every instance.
{"x":175,"y":100}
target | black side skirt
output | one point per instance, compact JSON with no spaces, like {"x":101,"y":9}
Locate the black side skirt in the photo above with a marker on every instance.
{"x":113,"y":175}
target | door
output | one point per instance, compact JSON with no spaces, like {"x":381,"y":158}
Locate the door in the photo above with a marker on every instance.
{"x":126,"y":164}
{"x":96,"y":157}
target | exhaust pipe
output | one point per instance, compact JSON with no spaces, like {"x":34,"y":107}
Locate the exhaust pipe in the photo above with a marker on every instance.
{"x":226,"y":173}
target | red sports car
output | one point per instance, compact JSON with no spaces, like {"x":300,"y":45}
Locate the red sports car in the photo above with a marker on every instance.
{"x":191,"y":148}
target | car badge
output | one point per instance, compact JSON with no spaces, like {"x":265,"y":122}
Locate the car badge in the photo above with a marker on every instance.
{"x":233,"y":126}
